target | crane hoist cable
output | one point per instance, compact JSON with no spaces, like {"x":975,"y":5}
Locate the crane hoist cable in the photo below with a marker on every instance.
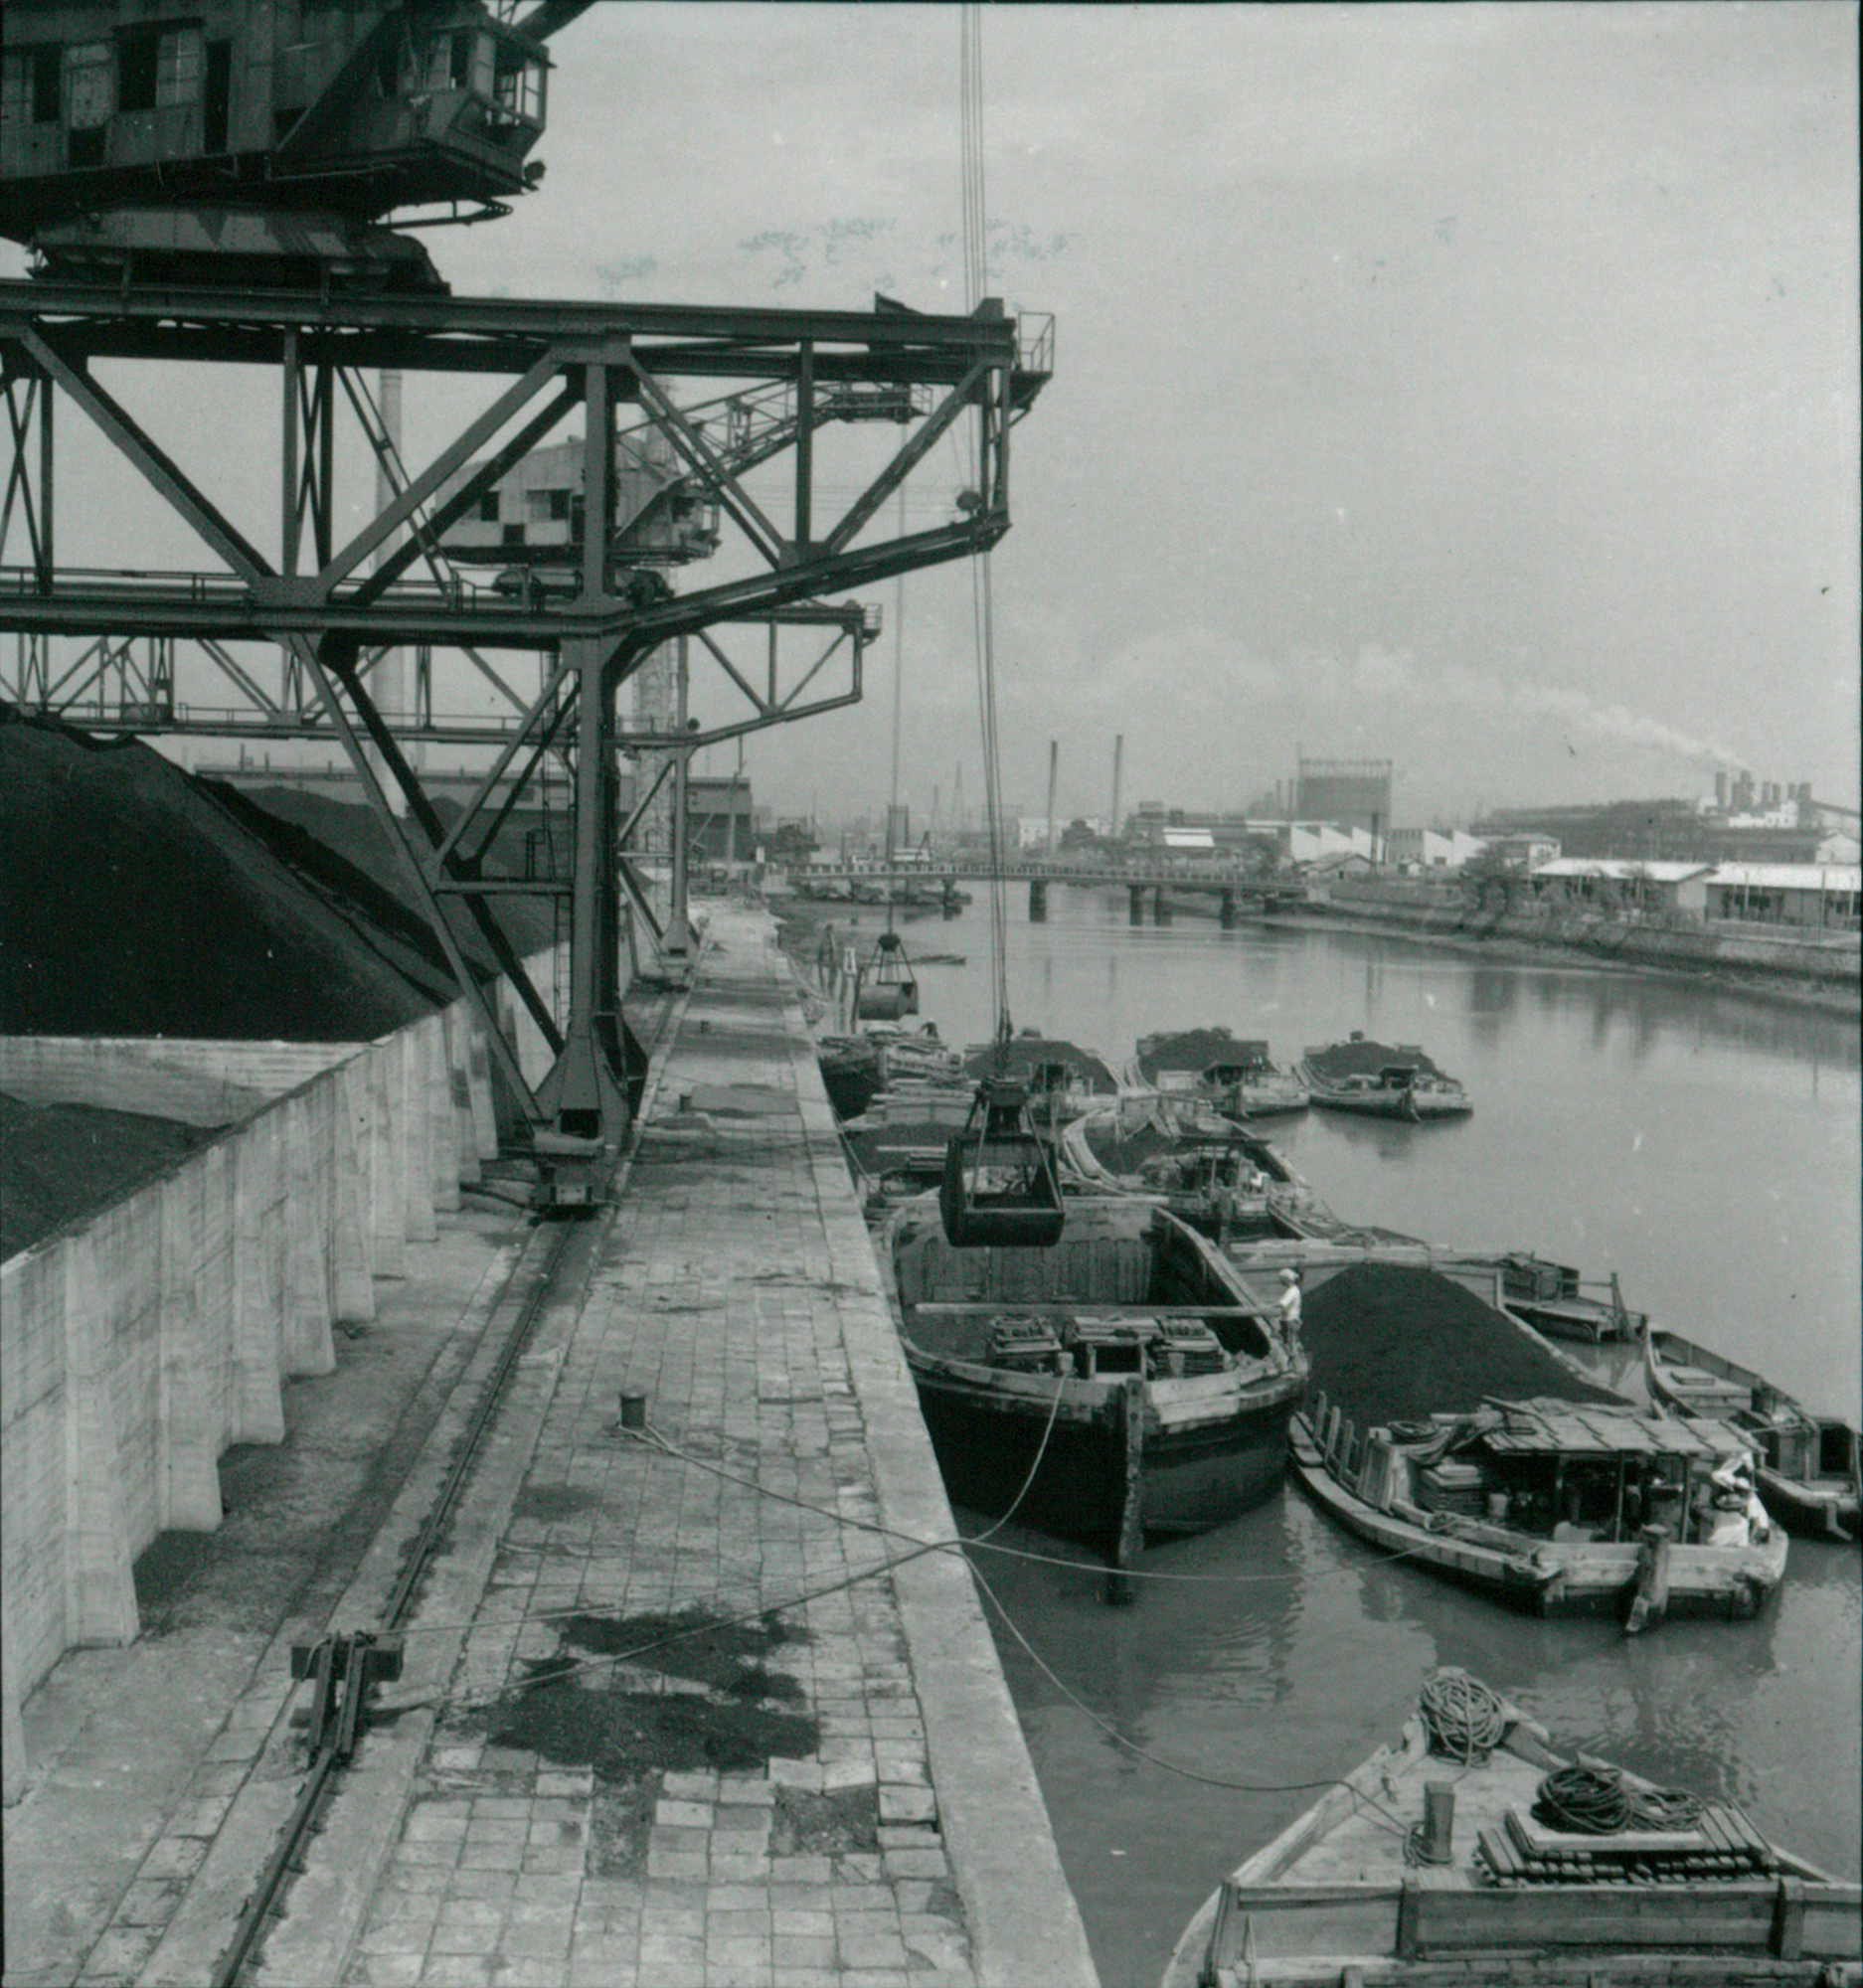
{"x":999,"y":1187}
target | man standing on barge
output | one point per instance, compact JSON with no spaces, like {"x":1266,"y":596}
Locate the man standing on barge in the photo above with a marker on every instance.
{"x":1290,"y":1305}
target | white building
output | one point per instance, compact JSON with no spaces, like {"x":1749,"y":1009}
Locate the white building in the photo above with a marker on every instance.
{"x":1424,"y":849}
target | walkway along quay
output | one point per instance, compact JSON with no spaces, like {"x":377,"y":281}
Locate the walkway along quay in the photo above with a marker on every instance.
{"x":688,"y":1691}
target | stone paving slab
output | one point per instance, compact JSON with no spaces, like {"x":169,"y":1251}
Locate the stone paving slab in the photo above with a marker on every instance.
{"x":687,"y":1706}
{"x":136,"y":1755}
{"x":717,"y":1721}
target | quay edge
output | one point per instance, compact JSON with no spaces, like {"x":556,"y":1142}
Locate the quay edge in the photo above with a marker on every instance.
{"x":1017,"y":1916}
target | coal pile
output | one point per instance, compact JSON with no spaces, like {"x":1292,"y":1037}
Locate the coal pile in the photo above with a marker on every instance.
{"x":341,"y":850}
{"x":1359,"y":1058}
{"x":60,"y":1161}
{"x":1390,"y":1342}
{"x":135,"y":903}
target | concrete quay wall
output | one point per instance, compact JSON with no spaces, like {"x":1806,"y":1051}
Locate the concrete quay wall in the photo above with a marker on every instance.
{"x":1829,"y":959}
{"x":139,"y":1345}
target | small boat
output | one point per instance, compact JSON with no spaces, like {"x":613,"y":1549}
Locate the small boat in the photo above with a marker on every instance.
{"x":1061,"y":1078}
{"x":1810,"y":1471}
{"x":1554,"y":1299}
{"x":1470,"y":1851}
{"x":850,"y":1073}
{"x":895,"y":1148}
{"x":1558,"y":1507}
{"x":1184,"y":1155}
{"x":1228,"y":1183}
{"x":1235,"y":1076}
{"x":1118,"y":1384}
{"x":1380,"y":1080}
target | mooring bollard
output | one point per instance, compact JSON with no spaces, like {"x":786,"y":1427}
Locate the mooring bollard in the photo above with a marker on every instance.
{"x":634,"y":1409}
{"x":1439,"y":1838}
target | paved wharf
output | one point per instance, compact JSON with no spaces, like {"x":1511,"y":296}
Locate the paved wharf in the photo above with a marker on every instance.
{"x":687,"y":1704}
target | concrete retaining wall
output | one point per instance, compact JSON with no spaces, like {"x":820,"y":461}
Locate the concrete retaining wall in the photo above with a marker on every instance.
{"x":1827,"y":958}
{"x":137,"y":1346}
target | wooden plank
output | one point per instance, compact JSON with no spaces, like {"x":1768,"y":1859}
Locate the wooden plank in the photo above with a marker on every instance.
{"x":1833,"y":1920}
{"x":1715,"y":1919}
{"x":1744,"y":1832}
{"x":1309,"y":1920}
{"x":1408,"y":1904}
{"x":1789,"y":1918}
{"x":1499,"y":1852}
{"x":1537,"y":1839}
{"x":1085,"y":1308}
{"x":1131,"y":1536}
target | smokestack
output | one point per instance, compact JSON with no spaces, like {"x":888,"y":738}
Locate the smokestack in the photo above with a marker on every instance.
{"x":1054,"y":760}
{"x":1119,"y":753}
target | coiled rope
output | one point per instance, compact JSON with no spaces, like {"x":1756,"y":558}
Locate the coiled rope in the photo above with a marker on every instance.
{"x":1598,"y":1801}
{"x":1465,"y":1719}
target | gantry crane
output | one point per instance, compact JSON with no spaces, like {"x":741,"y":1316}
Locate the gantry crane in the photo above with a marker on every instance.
{"x":283,"y":249}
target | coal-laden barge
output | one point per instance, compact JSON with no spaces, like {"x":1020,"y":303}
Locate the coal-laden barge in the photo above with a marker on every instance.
{"x":1124,"y":1383}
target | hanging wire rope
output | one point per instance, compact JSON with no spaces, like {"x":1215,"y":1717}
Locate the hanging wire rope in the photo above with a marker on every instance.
{"x":899,"y":697}
{"x":971,"y":99}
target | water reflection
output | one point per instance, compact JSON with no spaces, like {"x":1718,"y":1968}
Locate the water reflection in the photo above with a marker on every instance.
{"x":1703,"y":1145}
{"x":1492,"y":990}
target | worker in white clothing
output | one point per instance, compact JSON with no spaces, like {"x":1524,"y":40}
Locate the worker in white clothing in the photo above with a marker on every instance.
{"x":1736,"y":1517}
{"x":1289,"y":1304}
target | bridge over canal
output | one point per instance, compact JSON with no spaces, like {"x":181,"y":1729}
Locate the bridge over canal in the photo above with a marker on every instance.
{"x":1234,"y":888}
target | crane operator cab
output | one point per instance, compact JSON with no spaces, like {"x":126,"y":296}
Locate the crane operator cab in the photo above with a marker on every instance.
{"x":214,"y":146}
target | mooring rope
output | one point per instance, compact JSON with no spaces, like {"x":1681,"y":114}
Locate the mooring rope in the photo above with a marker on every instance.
{"x":1465,"y":1719}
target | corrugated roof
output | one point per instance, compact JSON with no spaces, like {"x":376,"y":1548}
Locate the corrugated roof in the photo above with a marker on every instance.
{"x":1594,"y":1429}
{"x":1790,"y":875}
{"x":1621,"y":868}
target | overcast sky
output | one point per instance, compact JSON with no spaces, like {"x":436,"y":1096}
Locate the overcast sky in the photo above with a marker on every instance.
{"x":1475,"y":387}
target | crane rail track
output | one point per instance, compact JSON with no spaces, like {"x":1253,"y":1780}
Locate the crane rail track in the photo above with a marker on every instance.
{"x":533,"y":1284}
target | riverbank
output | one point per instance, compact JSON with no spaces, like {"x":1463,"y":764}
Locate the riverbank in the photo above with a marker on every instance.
{"x":1818,"y":971}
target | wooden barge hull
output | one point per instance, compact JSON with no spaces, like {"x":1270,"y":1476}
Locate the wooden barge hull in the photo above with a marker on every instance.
{"x":1548,"y":1577}
{"x":1201,"y":1463}
{"x":1818,"y":1503}
{"x":1589,"y":1322}
{"x":1327,"y":1901}
{"x":1812,"y":1511}
{"x":1407,"y":1107}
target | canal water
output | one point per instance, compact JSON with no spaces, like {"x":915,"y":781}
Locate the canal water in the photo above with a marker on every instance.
{"x":1703,"y":1144}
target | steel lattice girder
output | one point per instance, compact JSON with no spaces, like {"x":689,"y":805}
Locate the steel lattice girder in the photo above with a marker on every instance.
{"x":557,"y":356}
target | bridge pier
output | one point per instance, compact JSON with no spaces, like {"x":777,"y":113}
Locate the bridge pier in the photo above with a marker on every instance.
{"x":1226,"y":913}
{"x":1038,"y":901}
{"x":948,"y":906}
{"x":1161,"y":907}
{"x":1136,"y":896}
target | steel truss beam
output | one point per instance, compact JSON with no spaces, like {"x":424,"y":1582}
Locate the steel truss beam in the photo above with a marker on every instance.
{"x":329,"y":610}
